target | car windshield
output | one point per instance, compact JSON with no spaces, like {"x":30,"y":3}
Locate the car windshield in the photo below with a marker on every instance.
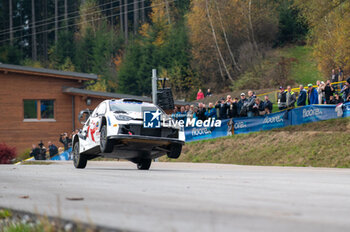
{"x":124,"y":107}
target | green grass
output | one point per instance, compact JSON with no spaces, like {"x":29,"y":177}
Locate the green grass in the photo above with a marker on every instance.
{"x":4,"y":213}
{"x":321,"y":144}
{"x":21,"y":227}
{"x":304,"y":70}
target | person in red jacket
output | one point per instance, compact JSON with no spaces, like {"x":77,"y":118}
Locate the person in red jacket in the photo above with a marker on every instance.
{"x":200,"y":95}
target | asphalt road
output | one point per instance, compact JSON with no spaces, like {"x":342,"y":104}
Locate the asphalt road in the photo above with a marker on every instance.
{"x":182,"y":196}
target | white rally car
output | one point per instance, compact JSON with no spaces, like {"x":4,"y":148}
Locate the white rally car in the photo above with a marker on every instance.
{"x":116,"y":129}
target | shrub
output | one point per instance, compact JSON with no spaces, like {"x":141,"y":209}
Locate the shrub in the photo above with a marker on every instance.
{"x":7,"y":154}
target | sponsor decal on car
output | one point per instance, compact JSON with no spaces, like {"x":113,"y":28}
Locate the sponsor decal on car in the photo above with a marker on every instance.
{"x":151,"y":119}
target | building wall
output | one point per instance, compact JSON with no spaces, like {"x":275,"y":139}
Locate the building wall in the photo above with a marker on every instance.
{"x":17,"y":87}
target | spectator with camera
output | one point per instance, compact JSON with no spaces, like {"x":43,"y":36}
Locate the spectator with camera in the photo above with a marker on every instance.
{"x":232,"y":107}
{"x":258,"y":108}
{"x":222,"y":108}
{"x":39,"y":152}
{"x":65,"y":140}
{"x":320,"y":91}
{"x":267,"y":105}
{"x":328,"y":91}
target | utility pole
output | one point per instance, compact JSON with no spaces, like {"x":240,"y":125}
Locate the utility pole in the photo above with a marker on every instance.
{"x":154,"y":86}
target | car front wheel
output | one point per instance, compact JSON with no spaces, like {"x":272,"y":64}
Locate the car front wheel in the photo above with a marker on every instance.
{"x":79,"y":160}
{"x":106,"y":145}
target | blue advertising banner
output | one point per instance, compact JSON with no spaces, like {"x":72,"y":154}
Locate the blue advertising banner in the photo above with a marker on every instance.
{"x":312,"y":113}
{"x":346,"y":109}
{"x":268,"y":122}
{"x":297,"y":116}
{"x":200,"y":133}
{"x":62,"y":156}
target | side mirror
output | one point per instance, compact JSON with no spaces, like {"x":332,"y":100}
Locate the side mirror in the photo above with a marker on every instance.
{"x":84,"y":116}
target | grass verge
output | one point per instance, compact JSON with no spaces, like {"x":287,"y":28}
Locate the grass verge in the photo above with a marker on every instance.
{"x":320,"y":144}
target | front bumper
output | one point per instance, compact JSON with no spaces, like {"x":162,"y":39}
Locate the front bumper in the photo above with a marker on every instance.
{"x":146,"y":139}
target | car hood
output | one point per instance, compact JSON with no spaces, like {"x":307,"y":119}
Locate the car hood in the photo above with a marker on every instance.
{"x":139,"y":115}
{"x":135,"y":115}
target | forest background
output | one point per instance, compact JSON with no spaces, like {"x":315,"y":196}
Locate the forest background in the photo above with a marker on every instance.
{"x":219,"y":44}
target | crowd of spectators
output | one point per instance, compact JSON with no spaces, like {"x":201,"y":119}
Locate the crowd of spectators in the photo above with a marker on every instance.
{"x":225,"y":108}
{"x":251,"y":105}
{"x":40,"y":152}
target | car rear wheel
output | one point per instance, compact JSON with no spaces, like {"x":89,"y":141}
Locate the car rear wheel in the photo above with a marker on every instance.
{"x":79,"y":160}
{"x":175,"y":151}
{"x":144,"y":164}
{"x":106,"y":145}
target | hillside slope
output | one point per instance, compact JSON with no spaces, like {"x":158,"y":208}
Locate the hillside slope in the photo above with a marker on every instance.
{"x":321,"y":144}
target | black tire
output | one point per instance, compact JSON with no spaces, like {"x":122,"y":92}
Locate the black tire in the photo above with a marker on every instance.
{"x":79,"y":160}
{"x":144,"y":164}
{"x":175,"y":151}
{"x":106,"y":145}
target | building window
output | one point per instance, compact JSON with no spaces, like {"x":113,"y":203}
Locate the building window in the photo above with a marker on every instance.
{"x":39,"y":110}
{"x":30,"y":109}
{"x":46,"y":109}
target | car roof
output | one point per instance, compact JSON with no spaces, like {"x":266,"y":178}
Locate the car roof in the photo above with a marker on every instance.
{"x":129,"y":100}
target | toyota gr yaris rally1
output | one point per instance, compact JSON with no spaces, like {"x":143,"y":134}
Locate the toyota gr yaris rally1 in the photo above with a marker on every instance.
{"x":118,"y":129}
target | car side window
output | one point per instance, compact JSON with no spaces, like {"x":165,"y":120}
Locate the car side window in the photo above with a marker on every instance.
{"x":94,"y":113}
{"x":101,"y":109}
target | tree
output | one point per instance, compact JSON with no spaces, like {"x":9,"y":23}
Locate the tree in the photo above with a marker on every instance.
{"x":229,"y":37}
{"x":160,"y":45}
{"x":291,"y":26}
{"x":329,"y":23}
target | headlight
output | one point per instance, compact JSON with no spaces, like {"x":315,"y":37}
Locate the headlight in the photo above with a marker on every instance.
{"x":122,"y":117}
